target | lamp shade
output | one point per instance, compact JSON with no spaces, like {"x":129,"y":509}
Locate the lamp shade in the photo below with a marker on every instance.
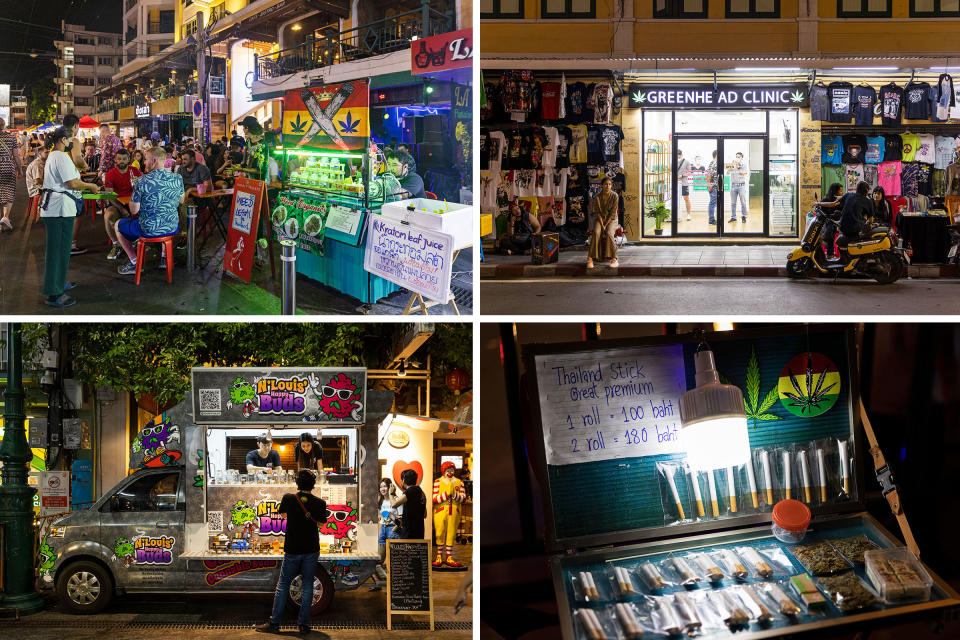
{"x":713,"y":425}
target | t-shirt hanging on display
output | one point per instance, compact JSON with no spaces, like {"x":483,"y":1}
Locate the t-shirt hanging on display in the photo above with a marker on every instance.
{"x":550,"y":100}
{"x":610,"y":140}
{"x":934,"y":100}
{"x":819,"y":103}
{"x":916,"y":99}
{"x":578,"y":144}
{"x":875,"y":147}
{"x":854,"y":148}
{"x":577,"y":103}
{"x":841,"y":101}
{"x":563,"y":147}
{"x":830,"y":174}
{"x":497,"y":143}
{"x":892,"y":147}
{"x":925,"y":180}
{"x":909,"y":179}
{"x":946,"y":96}
{"x":910,"y":142}
{"x":890,"y":177}
{"x":483,"y":143}
{"x":925,"y":150}
{"x":594,"y":151}
{"x":864,"y":97}
{"x":853,"y":176}
{"x":832,"y":150}
{"x":550,"y":150}
{"x":891,"y":104}
{"x":871,"y":175}
{"x":945,"y":146}
{"x":602,"y":102}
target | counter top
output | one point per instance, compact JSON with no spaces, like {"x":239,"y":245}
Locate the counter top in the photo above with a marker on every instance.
{"x":276,"y":556}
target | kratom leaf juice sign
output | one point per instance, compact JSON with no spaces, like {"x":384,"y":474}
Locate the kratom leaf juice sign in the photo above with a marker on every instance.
{"x":301,"y":218}
{"x":415,"y":258}
{"x":614,"y":403}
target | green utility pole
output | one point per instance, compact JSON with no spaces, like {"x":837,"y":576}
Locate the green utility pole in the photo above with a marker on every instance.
{"x":16,"y":497}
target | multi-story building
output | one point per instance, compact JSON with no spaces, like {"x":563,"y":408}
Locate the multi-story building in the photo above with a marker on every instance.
{"x":88,"y":59}
{"x":728,"y":84}
{"x":148,"y":28}
{"x":18,"y":112}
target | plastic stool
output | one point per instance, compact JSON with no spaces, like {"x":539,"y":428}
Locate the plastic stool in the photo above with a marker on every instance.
{"x":34,"y":207}
{"x":168,"y":246}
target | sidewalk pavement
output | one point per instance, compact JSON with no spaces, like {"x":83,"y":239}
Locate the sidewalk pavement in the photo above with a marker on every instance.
{"x":754,"y":261}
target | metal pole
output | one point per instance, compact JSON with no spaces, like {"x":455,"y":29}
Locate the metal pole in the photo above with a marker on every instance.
{"x":191,"y":237}
{"x":16,"y":496}
{"x":288,"y":300}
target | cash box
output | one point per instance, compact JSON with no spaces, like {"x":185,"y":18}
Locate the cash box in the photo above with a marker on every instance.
{"x":645,"y":547}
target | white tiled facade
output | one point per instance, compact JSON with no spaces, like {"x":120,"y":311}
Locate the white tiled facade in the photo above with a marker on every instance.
{"x":88,"y":59}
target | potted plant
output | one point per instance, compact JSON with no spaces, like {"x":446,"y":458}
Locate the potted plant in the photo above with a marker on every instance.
{"x":659,"y":213}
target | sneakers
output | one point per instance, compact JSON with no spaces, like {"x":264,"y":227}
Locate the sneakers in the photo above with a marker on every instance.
{"x":743,"y":220}
{"x":115,"y":250}
{"x":267,"y":627}
{"x":732,"y":220}
{"x":76,"y":251}
{"x":128,"y":269}
{"x":688,"y":217}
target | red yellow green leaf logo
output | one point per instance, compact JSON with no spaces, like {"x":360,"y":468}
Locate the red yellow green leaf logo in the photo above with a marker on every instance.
{"x":809,"y":385}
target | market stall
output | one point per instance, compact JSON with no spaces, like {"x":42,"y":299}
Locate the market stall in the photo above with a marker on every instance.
{"x":725,"y":477}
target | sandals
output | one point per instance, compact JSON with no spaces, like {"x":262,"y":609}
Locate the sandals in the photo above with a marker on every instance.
{"x":62,"y":301}
{"x":6,"y":224}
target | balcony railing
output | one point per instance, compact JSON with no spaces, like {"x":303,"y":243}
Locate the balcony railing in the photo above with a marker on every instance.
{"x":130,"y":4}
{"x":160,"y":27}
{"x":131,"y":35}
{"x":383,"y":36}
{"x":157,"y":92}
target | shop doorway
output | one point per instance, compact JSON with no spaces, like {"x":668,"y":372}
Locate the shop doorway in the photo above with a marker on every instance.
{"x":718,"y":185}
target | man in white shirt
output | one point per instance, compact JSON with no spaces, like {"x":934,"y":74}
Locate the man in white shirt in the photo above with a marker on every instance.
{"x":683,"y":173}
{"x":739,"y":188}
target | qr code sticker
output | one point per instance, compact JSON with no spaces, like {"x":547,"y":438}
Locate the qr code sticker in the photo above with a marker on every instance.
{"x":210,"y":400}
{"x":214,"y":521}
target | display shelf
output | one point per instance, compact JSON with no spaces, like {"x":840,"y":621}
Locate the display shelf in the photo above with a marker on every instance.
{"x":271,"y":556}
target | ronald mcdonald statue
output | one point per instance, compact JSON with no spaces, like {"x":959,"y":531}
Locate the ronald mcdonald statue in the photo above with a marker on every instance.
{"x":448,"y":495}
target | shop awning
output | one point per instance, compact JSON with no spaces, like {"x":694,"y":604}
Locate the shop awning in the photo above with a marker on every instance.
{"x":86,"y":122}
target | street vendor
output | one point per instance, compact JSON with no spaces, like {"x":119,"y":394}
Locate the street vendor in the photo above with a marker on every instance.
{"x":400,"y":164}
{"x":308,"y":453}
{"x":264,"y":457}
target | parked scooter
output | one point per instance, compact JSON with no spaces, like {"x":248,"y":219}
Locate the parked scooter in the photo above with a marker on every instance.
{"x":874,"y":254}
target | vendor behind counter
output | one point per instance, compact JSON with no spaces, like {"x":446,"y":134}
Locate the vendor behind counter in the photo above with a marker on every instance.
{"x":308,"y":453}
{"x":263,"y":458}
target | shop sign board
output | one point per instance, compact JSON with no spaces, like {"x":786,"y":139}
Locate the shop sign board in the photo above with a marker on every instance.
{"x":442,"y":52}
{"x":415,"y":258}
{"x":303,"y":219}
{"x":333,"y":116}
{"x":721,"y":96}
{"x":142,"y":111}
{"x":248,"y":198}
{"x":54,"y":492}
{"x":280,"y":395}
{"x":462,"y":115}
{"x":409,"y":589}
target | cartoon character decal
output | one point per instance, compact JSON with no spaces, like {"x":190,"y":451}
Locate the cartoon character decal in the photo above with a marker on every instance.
{"x":342,"y":573}
{"x":123,"y":552}
{"x":158,"y":442}
{"x":341,"y":522}
{"x":338,"y":398}
{"x":47,"y":557}
{"x":242,"y":514}
{"x":243,"y":394}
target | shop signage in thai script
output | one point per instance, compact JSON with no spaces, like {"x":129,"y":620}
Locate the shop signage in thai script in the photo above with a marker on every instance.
{"x":142,"y":111}
{"x":721,"y":96}
{"x":417,"y":259}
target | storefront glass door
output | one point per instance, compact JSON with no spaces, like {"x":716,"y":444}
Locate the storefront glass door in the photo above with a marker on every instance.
{"x":743,"y":205}
{"x":695,"y":185}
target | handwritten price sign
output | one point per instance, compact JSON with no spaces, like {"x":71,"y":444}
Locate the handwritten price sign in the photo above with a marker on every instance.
{"x":607,"y":404}
{"x":417,"y":259}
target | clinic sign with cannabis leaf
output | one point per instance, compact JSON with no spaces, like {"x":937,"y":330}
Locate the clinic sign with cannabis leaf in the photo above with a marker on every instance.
{"x":721,"y":96}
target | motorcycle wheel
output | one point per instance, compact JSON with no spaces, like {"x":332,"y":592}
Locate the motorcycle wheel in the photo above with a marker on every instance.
{"x":889,"y":268}
{"x":801,"y":268}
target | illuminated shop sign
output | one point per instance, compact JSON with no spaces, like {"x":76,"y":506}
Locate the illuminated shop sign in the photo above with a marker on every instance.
{"x":724,"y":96}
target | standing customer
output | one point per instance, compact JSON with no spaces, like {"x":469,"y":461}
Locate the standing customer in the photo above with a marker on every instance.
{"x":305,"y":512}
{"x":60,"y":204}
{"x":10,"y":171}
{"x":605,"y":206}
{"x":414,"y":502}
{"x":390,"y":517}
{"x":739,"y":180}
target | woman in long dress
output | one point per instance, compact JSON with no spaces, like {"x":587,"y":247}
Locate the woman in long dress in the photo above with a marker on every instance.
{"x":10,"y":171}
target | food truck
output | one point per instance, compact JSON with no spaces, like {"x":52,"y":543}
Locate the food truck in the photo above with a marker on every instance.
{"x":190,"y":518}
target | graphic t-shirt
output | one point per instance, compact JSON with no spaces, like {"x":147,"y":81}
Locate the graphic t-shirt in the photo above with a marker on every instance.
{"x":910,"y":142}
{"x":925,"y":149}
{"x":890,"y":177}
{"x":893,"y":147}
{"x":909,"y":179}
{"x":550,"y":100}
{"x":871,"y":175}
{"x":832,"y":150}
{"x":498,"y":143}
{"x":577,"y":103}
{"x":916,"y":101}
{"x":864,"y":98}
{"x":830,"y":174}
{"x":594,"y":151}
{"x":945,"y":146}
{"x":854,"y":148}
{"x":550,"y":150}
{"x":925,"y":180}
{"x":602,"y":99}
{"x":483,"y":142}
{"x":610,"y":140}
{"x":875,"y":147}
{"x":841,"y":101}
{"x":563,"y":147}
{"x":853,"y":176}
{"x":578,"y":144}
{"x":891,"y":104}
{"x":934,"y":99}
{"x":819,"y":103}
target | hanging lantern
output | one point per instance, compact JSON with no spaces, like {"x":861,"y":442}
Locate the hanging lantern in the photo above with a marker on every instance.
{"x":457,"y":380}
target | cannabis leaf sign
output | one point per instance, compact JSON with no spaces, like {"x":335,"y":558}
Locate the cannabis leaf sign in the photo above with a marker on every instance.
{"x":349,"y":125}
{"x":755,"y":409}
{"x":298,"y":125}
{"x":809,"y":385}
{"x":796,"y":96}
{"x":640,"y":97}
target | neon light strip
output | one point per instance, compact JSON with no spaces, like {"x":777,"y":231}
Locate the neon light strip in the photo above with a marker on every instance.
{"x":327,"y":154}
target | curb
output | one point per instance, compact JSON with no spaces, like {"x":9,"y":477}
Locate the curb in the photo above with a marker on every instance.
{"x":515,"y":271}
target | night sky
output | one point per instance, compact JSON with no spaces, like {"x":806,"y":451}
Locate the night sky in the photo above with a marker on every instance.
{"x":24,"y":36}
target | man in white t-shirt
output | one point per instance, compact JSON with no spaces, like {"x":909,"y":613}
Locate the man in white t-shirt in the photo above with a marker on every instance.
{"x":58,"y":207}
{"x":683,"y":174}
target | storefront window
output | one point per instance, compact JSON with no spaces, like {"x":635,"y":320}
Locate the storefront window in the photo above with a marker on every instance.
{"x":657,"y":167}
{"x":783,"y":173}
{"x":721,"y":121}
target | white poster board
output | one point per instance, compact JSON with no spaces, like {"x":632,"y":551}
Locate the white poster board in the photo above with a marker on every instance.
{"x":611,"y":403}
{"x":344,"y":219}
{"x":415,"y":258}
{"x":54,"y":492}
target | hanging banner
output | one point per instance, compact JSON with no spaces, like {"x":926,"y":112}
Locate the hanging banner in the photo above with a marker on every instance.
{"x":333,"y":116}
{"x":279,"y":395}
{"x":415,"y":258}
{"x":248,"y":198}
{"x":461,"y":112}
{"x":442,"y":52}
{"x":54,"y":492}
{"x":301,"y":218}
{"x":723,"y":96}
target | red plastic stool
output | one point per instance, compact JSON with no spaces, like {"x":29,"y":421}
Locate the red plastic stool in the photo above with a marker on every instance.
{"x":168,"y":247}
{"x":34,"y":207}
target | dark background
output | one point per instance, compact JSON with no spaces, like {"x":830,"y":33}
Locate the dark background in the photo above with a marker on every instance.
{"x":910,"y":383}
{"x":32,"y":26}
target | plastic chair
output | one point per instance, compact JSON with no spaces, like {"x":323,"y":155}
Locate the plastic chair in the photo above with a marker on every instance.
{"x":430,"y":194}
{"x":168,"y":247}
{"x":34,"y":207}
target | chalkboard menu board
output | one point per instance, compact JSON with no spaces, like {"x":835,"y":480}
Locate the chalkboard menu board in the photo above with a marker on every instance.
{"x":409,"y":578}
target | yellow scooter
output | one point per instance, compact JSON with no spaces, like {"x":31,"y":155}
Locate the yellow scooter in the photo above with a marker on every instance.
{"x":874,"y":254}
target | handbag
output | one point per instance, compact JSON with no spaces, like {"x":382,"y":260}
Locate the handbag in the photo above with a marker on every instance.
{"x":307,"y":513}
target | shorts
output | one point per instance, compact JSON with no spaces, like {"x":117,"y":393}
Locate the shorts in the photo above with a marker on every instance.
{"x":387,"y":532}
{"x":684,"y":190}
{"x":124,"y":209}
{"x":130,"y":228}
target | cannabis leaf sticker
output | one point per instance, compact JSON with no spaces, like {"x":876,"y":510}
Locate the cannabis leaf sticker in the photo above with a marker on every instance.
{"x":809,"y":385}
{"x":298,"y":125}
{"x":640,"y":97}
{"x":755,"y":409}
{"x":796,"y":96}
{"x":349,"y":125}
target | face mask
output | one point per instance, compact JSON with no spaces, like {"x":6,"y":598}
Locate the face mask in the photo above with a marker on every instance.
{"x":69,"y":147}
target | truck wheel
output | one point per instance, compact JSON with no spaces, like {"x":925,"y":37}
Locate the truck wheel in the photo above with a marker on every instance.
{"x":84,"y":587}
{"x":322,"y":592}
